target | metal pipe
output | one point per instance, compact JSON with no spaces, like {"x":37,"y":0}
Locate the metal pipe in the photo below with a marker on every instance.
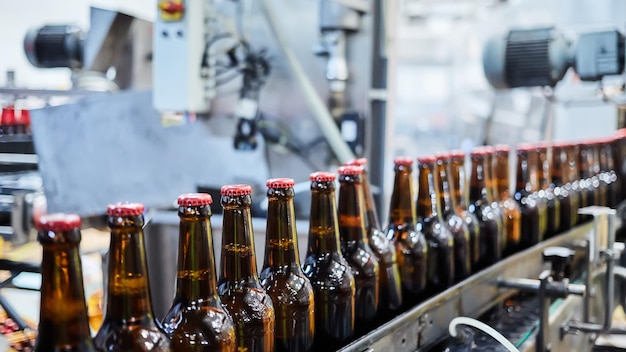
{"x":316,"y":104}
{"x":553,"y":289}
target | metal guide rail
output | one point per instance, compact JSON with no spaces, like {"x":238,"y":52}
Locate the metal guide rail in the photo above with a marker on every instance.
{"x":427,"y":324}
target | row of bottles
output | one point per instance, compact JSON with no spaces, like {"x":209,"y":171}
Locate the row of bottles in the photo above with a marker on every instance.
{"x":355,"y":275}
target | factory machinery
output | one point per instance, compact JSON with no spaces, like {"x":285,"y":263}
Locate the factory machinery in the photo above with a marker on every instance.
{"x":528,"y":298}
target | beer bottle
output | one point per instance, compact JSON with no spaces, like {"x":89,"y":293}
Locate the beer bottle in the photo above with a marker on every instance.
{"x":354,"y":243}
{"x":578,"y":187}
{"x":599,"y":182}
{"x":458,"y":183}
{"x":440,"y":241}
{"x":282,"y":276}
{"x":410,"y":244}
{"x":618,"y":148}
{"x":512,"y":212}
{"x":63,"y":320}
{"x":390,"y":288}
{"x":492,"y":192}
{"x":243,"y":296}
{"x":197,"y":321}
{"x":453,"y":221}
{"x":542,"y":206}
{"x":562,"y":188}
{"x":608,"y":172}
{"x":553,"y":205}
{"x":328,"y":271}
{"x":128,"y":323}
{"x":531,"y":233}
{"x":488,"y":219}
{"x":585,"y":174}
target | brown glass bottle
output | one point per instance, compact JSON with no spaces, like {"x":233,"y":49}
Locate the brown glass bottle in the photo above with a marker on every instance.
{"x":512,"y":212}
{"x":585,"y":175}
{"x":390,"y":288}
{"x":531,"y":233}
{"x":354,"y":243}
{"x":571,"y":153}
{"x":440,"y":241}
{"x":542,"y":206}
{"x":544,"y":179}
{"x":455,"y":224}
{"x":282,"y":276}
{"x":197,"y":321}
{"x":458,"y":183}
{"x":243,"y":296}
{"x":128,"y":323}
{"x":328,"y":271}
{"x":63,"y":321}
{"x":410,"y":244}
{"x":608,"y":172}
{"x":488,"y":219}
{"x":598,"y":180}
{"x":562,"y":188}
{"x":492,"y":192}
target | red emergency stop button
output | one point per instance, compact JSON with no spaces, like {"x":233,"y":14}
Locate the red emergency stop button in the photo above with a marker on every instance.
{"x":171,"y":10}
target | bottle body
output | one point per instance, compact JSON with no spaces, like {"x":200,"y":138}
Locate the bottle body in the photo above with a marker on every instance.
{"x":197,"y":321}
{"x":441,"y":263}
{"x":390,"y":286}
{"x":63,"y":321}
{"x":459,"y":187}
{"x":562,"y":189}
{"x":410,"y":244}
{"x":128,"y":323}
{"x":282,"y":276}
{"x":490,"y":224}
{"x":327,"y":270}
{"x":354,"y":244}
{"x":239,"y":288}
{"x":512,"y":211}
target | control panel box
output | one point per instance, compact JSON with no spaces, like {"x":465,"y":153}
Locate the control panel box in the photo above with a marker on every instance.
{"x":180,"y":40}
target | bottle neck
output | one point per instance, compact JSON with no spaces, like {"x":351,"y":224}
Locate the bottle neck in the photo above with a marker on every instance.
{"x":558,"y":170}
{"x":281,"y":248}
{"x":128,"y":295}
{"x":351,"y":209}
{"x":371,"y":216}
{"x":196,"y":260}
{"x":584,"y":166}
{"x":63,"y":313}
{"x":323,"y":230}
{"x":502,"y":176}
{"x":445,"y":190}
{"x":238,"y":262}
{"x":402,"y":205}
{"x":478,"y":185}
{"x":572,"y":164}
{"x":490,"y":180}
{"x":543,"y":169}
{"x":524,"y":185}
{"x":427,"y":206}
{"x":457,"y":182}
{"x":606,"y":158}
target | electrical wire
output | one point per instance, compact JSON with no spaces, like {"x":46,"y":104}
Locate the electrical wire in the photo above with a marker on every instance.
{"x":482,"y":327}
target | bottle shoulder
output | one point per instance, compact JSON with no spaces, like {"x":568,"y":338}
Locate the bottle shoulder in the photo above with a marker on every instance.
{"x":290,"y":287}
{"x":331,"y":272}
{"x":248,"y":303}
{"x":122,"y":336}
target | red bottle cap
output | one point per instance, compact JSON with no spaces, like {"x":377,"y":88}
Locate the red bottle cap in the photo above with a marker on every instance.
{"x":541,"y":146}
{"x":194,"y":199}
{"x":322,"y":176}
{"x":8,"y":116}
{"x":560,"y":144}
{"x":236,"y":190}
{"x":426,"y":159}
{"x":403,"y":161}
{"x":478,"y":151}
{"x":457,"y":153}
{"x":442,"y":156}
{"x":58,"y":222}
{"x":25,"y":117}
{"x":621,"y":133}
{"x":280,"y":183}
{"x":502,"y":148}
{"x":125,"y":209}
{"x":524,"y":146}
{"x":357,"y":162}
{"x":350,"y":170}
{"x":487,"y":149}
